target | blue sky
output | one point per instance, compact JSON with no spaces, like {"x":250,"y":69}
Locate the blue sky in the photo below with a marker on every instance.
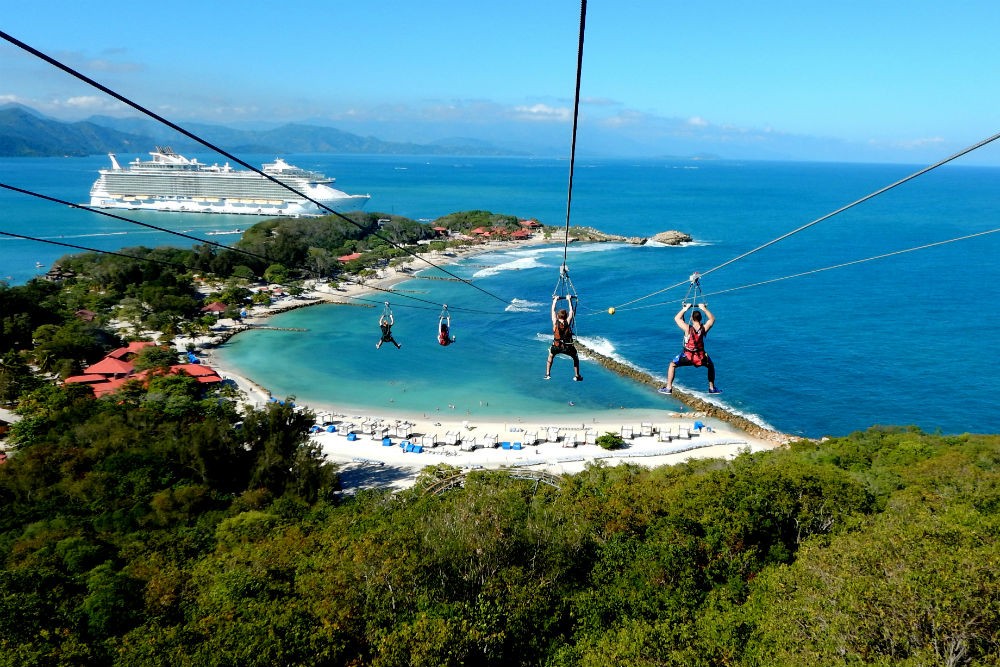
{"x":901,"y":81}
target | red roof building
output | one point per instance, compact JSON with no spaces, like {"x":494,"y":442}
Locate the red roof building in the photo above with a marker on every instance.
{"x":110,"y":366}
{"x":109,"y":374}
{"x":348,"y":258}
{"x":131,"y":350}
{"x":215,"y":307}
{"x":89,"y":378}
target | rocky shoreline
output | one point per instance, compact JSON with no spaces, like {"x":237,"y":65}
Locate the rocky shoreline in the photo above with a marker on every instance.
{"x":671,"y":237}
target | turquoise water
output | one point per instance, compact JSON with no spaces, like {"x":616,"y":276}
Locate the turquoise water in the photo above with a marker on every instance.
{"x":910,"y":339}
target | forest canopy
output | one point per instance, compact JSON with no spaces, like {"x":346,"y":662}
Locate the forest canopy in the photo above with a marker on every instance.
{"x":138,"y":534}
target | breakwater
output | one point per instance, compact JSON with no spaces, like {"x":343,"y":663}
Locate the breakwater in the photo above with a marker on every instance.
{"x":688,"y":399}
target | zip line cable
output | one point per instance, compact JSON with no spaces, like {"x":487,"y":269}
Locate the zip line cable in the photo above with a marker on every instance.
{"x":408,"y":296}
{"x":105,"y":252}
{"x":576,"y":116}
{"x":182,"y":266}
{"x":138,"y":107}
{"x":160,"y":229}
{"x":834,"y":266}
{"x":168,"y":231}
{"x":856,"y":202}
{"x":134,"y":222}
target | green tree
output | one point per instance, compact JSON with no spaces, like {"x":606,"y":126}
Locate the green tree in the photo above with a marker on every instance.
{"x":276,"y":274}
{"x":155,"y":356}
{"x":917,"y":588}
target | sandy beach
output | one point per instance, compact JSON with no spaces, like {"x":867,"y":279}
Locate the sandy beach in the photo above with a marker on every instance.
{"x":390,"y":450}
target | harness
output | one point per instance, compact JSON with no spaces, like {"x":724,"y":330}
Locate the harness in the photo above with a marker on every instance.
{"x":694,"y":345}
{"x":562,"y":333}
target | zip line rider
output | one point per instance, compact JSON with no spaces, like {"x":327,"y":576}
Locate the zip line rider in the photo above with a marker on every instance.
{"x":562,"y":336}
{"x":693,"y":353}
{"x":385,"y":322}
{"x":444,"y":328}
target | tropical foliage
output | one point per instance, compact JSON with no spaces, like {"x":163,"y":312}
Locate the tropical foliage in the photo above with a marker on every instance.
{"x":156,"y":531}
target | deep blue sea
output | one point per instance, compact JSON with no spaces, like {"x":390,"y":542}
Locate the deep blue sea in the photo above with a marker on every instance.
{"x":908,"y":339}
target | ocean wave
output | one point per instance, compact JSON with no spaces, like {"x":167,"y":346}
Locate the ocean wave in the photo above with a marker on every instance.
{"x":716,"y":401}
{"x":574,"y":248}
{"x":523,"y":306}
{"x":603,"y":346}
{"x":83,"y":236}
{"x":516,"y":265}
{"x":688,"y":244}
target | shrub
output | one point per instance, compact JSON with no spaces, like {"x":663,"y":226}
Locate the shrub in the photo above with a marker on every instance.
{"x":610,"y":441}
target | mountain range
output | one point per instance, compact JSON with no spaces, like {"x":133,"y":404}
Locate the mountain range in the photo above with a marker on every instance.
{"x":25,"y":132}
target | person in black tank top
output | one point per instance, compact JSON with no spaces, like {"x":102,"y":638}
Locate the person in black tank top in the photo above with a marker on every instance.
{"x":562,"y":337}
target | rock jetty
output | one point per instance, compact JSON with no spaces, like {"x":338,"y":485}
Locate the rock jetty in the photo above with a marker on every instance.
{"x":695,"y":403}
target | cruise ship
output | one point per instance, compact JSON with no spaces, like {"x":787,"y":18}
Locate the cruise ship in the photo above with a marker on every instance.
{"x":172,"y":182}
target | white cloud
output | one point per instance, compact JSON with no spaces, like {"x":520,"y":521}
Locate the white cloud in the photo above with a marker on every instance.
{"x":543,"y":113}
{"x":89,"y":103}
{"x":697,"y":121}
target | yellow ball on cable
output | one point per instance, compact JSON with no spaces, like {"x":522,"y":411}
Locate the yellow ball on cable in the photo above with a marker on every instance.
{"x":611,"y":310}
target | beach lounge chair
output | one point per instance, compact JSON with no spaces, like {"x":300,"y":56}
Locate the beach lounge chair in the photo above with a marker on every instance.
{"x":627,"y":432}
{"x":646,"y":429}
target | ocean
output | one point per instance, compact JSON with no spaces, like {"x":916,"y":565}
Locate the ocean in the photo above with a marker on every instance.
{"x":908,"y":339}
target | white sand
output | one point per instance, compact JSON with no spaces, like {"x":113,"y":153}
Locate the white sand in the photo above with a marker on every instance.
{"x":546,"y":445}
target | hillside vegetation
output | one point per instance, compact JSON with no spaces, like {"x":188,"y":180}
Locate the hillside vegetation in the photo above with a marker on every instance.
{"x":158,"y":532}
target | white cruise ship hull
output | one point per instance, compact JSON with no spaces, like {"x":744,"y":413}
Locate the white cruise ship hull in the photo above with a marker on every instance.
{"x":173,"y":183}
{"x":269,"y":207}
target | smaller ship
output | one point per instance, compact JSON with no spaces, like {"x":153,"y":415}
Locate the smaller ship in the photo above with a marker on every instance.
{"x":172,"y":182}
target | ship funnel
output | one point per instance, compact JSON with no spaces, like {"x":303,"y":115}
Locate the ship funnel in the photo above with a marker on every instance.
{"x":114,"y":161}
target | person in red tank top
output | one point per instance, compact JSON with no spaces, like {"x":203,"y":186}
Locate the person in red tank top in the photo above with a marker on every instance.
{"x":693,"y":353}
{"x":444,"y":330}
{"x":562,"y":337}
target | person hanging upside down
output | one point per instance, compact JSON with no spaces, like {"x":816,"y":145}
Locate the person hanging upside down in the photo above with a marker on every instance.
{"x":386,"y":322}
{"x":562,"y":336}
{"x":693,"y":353}
{"x":444,"y":330}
